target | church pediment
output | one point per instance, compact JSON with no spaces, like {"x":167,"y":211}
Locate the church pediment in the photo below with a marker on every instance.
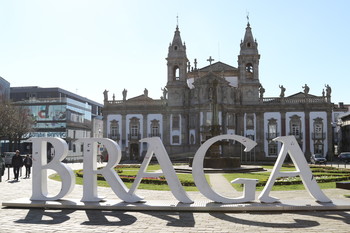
{"x":300,"y":95}
{"x":218,"y":67}
{"x":209,"y":79}
{"x":139,"y":98}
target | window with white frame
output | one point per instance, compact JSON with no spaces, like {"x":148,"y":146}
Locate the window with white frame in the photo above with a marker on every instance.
{"x":272,"y":148}
{"x":134,"y":130}
{"x":318,"y":128}
{"x":272,"y":129}
{"x":176,"y":121}
{"x":155,"y":128}
{"x":295,"y":126}
{"x":176,"y":139}
{"x":114,"y":128}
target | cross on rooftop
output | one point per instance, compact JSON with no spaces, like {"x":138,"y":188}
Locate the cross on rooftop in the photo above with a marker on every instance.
{"x":210,"y":60}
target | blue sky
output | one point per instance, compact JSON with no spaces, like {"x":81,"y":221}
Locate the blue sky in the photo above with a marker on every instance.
{"x":87,"y":46}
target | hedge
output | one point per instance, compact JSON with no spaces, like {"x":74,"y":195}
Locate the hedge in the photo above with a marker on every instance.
{"x":145,"y":180}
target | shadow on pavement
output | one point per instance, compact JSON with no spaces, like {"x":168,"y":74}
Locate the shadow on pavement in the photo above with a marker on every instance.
{"x":99,"y":217}
{"x":235,"y":218}
{"x":105,"y":218}
{"x":185,"y":219}
{"x":301,"y":222}
{"x":39,"y":216}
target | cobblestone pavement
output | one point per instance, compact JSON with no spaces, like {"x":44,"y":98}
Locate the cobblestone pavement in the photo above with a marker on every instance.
{"x":46,"y":220}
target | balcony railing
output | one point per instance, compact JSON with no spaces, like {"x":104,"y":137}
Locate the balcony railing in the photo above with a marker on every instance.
{"x":295,"y":100}
{"x":134,"y":136}
{"x":154,"y":135}
{"x":270,"y":136}
{"x":297,"y":136}
{"x":115,"y":137}
{"x":318,"y":136}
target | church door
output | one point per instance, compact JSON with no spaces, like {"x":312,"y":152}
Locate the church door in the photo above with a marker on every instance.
{"x":134,"y":151}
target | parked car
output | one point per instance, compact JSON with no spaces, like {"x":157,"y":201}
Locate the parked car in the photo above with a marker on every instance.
{"x":344,"y":157}
{"x":318,"y":158}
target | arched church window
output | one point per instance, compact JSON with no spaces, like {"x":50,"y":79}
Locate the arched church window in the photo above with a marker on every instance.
{"x":176,"y":73}
{"x":155,"y":128}
{"x":231,"y":120}
{"x":249,"y":68}
{"x":176,"y":139}
{"x":114,"y":129}
{"x":272,"y":129}
{"x":176,"y":121}
{"x":272,"y":148}
{"x":295,"y":127}
{"x":250,"y":121}
{"x":318,"y":129}
{"x":134,"y":128}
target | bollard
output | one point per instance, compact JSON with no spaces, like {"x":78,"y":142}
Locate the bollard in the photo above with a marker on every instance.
{"x":8,"y":172}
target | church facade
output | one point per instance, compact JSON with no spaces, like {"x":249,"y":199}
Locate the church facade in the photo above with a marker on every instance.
{"x":199,"y":103}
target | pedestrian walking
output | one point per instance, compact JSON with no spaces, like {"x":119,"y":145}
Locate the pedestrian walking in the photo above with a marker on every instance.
{"x":28,"y":164}
{"x":17,"y":163}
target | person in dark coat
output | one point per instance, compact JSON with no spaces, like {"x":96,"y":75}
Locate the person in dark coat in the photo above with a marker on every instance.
{"x":28,"y":164}
{"x":17,"y":163}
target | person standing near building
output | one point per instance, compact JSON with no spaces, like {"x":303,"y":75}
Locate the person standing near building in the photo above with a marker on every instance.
{"x":28,"y":164}
{"x":17,"y":163}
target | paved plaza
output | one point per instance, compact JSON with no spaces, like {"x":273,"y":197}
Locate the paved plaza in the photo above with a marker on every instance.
{"x":68,"y":220}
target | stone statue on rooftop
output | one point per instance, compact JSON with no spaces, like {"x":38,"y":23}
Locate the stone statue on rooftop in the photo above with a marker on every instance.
{"x":125,"y":92}
{"x":328,"y":91}
{"x":105,"y":95}
{"x":283,"y":89}
{"x":306,"y":89}
{"x":261,"y":91}
{"x":165,"y":92}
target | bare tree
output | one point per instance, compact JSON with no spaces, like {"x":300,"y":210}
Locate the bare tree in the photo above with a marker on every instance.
{"x":15,"y":123}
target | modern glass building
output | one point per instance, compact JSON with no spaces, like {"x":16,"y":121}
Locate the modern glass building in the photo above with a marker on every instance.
{"x":59,"y":113}
{"x":4,"y":90}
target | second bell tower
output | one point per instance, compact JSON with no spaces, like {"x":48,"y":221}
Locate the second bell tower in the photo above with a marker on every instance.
{"x":248,"y":65}
{"x":177,"y":74}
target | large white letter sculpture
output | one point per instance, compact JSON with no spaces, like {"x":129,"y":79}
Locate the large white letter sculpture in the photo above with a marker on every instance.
{"x":110,"y":175}
{"x":199,"y":177}
{"x":291,"y":146}
{"x":156,"y":147}
{"x":40,"y":167}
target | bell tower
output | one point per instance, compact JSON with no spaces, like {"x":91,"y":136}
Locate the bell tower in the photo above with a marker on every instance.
{"x":177,"y":73}
{"x":248,"y":65}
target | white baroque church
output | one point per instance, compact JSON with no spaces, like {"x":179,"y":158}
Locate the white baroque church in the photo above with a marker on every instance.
{"x":199,"y":103}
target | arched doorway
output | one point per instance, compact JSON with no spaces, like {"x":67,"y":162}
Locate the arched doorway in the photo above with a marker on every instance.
{"x":134,"y":151}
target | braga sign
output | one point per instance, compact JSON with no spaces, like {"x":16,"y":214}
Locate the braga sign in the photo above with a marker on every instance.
{"x":156,"y":148}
